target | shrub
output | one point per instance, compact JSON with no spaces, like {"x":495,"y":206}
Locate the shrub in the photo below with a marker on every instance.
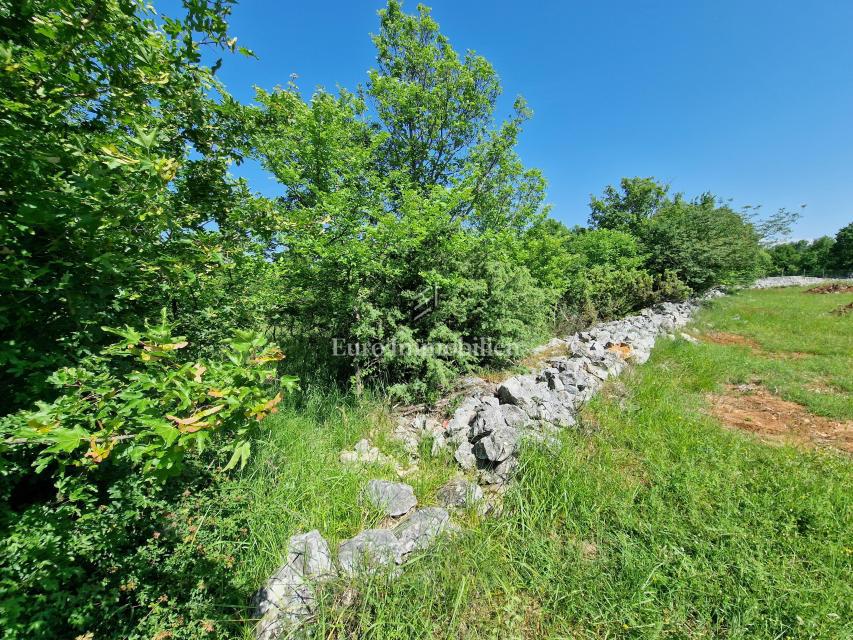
{"x":105,"y":218}
{"x":140,"y":403}
{"x":702,"y":244}
{"x":668,"y":288}
{"x":607,"y":292}
{"x":841,"y":255}
{"x":116,"y":443}
{"x":610,"y":280}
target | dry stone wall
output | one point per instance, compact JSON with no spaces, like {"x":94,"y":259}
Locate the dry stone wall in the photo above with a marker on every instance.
{"x":790,"y":281}
{"x":486,"y":432}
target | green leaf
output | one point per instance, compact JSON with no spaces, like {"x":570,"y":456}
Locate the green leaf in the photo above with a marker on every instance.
{"x":167,"y":432}
{"x":240,"y":455}
{"x":66,"y":440}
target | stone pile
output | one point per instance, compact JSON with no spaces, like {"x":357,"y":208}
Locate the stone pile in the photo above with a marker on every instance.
{"x":485,"y":432}
{"x":790,"y":281}
{"x":287,"y":599}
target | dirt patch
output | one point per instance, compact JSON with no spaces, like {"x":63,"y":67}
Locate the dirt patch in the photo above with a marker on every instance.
{"x":843,"y":310}
{"x":754,"y":409}
{"x":832,"y":287}
{"x":727,"y":339}
{"x":733,"y":339}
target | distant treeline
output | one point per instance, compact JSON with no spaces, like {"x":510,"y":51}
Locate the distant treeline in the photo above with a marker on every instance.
{"x":825,"y":256}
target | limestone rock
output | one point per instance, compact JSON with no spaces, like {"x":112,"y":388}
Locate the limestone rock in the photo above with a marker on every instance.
{"x":465,"y":455}
{"x":500,"y":473}
{"x":499,"y":445}
{"x":368,"y":551}
{"x":364,"y":453}
{"x":488,"y":419}
{"x":459,"y":492}
{"x":282,"y":604}
{"x":287,"y":598}
{"x":392,"y":498}
{"x":309,"y":554}
{"x":419,"y":530}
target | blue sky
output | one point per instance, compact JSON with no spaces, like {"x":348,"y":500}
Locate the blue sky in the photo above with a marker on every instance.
{"x":752,"y":100}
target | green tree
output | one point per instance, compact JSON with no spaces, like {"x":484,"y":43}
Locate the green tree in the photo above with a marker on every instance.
{"x":437,"y":109}
{"x":841,"y":254}
{"x":433,"y":104}
{"x":612,"y":280}
{"x":387,"y":204}
{"x":786,"y":258}
{"x":816,"y":257}
{"x":776,"y":227}
{"x":105,"y":218}
{"x":545,"y":249}
{"x":628,"y":209}
{"x":702,"y":244}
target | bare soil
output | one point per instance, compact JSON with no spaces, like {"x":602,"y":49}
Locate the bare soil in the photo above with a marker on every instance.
{"x":733,"y":339}
{"x":832,"y":287}
{"x":726,"y":339}
{"x":754,"y":409}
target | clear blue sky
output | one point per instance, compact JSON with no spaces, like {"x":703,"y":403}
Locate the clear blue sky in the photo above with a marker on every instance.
{"x":752,"y":100}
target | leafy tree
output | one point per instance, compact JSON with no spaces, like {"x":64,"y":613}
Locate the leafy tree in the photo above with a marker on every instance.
{"x":776,"y":227}
{"x":816,"y":258}
{"x":105,"y":218}
{"x":437,"y":110}
{"x":803,"y":257}
{"x":545,"y":249}
{"x":841,"y":254}
{"x":434,"y":105}
{"x":786,"y":258}
{"x":143,"y":403}
{"x":607,"y":247}
{"x":628,"y":210}
{"x":702,"y":244}
{"x":380,"y":213}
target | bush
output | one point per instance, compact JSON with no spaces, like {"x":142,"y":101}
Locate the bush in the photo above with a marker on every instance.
{"x":139,"y":403}
{"x":610,"y":281}
{"x":668,"y":288}
{"x":115,"y":443}
{"x":607,"y":292}
{"x":702,"y":244}
{"x":116,"y":200}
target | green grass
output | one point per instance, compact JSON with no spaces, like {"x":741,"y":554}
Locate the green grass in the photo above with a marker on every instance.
{"x":235,"y":531}
{"x":806,"y":351}
{"x":660,"y":524}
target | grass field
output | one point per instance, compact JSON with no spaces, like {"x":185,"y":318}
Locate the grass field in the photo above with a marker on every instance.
{"x":660,"y":524}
